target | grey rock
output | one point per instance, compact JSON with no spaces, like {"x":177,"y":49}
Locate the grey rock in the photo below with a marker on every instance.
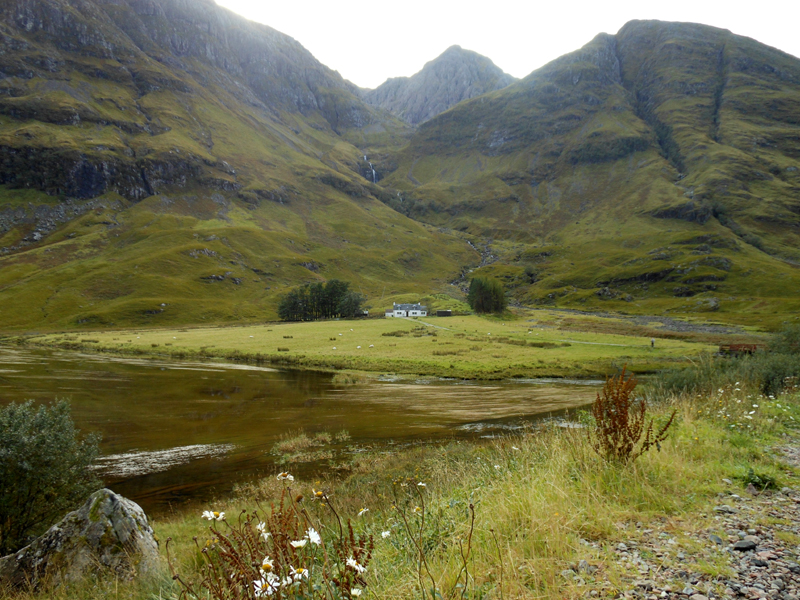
{"x":725,"y":510}
{"x":622,"y":547}
{"x":716,"y":539}
{"x":751,"y":538}
{"x":109,"y":534}
{"x":688,"y":591}
{"x":698,"y":597}
{"x":454,"y":76}
{"x":744,"y":545}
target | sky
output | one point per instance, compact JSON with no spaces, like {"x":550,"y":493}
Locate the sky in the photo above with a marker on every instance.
{"x":368,"y":42}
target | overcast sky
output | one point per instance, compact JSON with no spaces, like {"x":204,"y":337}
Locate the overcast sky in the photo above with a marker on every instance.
{"x":368,"y":42}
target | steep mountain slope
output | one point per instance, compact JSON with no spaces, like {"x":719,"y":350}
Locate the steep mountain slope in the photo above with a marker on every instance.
{"x":169,"y":161}
{"x":661,"y":161}
{"x":455,"y":75}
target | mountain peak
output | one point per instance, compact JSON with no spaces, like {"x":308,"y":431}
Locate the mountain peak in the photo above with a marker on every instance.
{"x":455,"y":75}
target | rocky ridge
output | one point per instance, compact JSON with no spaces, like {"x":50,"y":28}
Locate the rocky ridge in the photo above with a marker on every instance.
{"x":455,"y":75}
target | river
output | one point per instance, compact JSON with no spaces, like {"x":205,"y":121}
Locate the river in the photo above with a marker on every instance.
{"x":180,"y":431}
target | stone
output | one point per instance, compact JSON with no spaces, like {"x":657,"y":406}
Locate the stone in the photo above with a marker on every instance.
{"x":716,"y":539}
{"x":109,"y":534}
{"x":725,"y":510}
{"x":751,"y":538}
{"x":698,"y":597}
{"x":744,"y":545}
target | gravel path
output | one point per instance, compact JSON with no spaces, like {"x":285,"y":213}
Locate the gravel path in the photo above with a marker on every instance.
{"x":746,"y":546}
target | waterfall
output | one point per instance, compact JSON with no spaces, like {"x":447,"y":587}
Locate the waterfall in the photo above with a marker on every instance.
{"x":374,"y":175}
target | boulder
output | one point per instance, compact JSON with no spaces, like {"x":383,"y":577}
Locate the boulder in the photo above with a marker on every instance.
{"x":109,"y":534}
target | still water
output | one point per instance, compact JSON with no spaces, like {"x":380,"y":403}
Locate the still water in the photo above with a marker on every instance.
{"x":179,"y":431}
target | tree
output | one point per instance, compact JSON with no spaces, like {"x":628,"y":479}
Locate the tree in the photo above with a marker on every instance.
{"x":44,"y":470}
{"x":320,"y":301}
{"x":486,"y":295}
{"x":350,"y":305}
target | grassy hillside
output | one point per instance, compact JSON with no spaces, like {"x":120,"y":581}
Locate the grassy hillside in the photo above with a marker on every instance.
{"x":178,"y":164}
{"x":652,"y":170}
{"x":175,"y":154}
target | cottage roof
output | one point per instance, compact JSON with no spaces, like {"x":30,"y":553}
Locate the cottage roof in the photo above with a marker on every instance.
{"x":410,"y":307}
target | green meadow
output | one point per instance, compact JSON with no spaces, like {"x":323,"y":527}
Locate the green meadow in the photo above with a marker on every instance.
{"x":525,"y":343}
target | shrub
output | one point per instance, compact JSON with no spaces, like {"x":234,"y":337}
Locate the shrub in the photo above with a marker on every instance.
{"x":44,"y":469}
{"x":620,"y":422}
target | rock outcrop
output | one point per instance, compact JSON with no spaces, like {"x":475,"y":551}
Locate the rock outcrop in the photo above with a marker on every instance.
{"x":109,"y":534}
{"x":455,"y":75}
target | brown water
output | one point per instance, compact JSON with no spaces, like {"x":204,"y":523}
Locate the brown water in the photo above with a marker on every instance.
{"x":178,"y":431}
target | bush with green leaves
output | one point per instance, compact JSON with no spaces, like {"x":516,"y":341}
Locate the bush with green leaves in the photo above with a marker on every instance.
{"x":44,"y":469}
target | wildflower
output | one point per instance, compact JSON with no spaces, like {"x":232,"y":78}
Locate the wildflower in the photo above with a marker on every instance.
{"x":213,"y":515}
{"x":514,"y":448}
{"x":755,"y":405}
{"x":417,"y":509}
{"x":355,"y":592}
{"x":267,"y":564}
{"x":353,"y":564}
{"x":314,"y":537}
{"x":285,"y":477}
{"x":317,"y":495}
{"x":299,"y":543}
{"x":266,"y":586}
{"x":298,"y":574}
{"x":385,"y":534}
{"x":751,"y":412}
{"x":362,"y":511}
{"x":420,"y":484}
{"x":497,"y":467}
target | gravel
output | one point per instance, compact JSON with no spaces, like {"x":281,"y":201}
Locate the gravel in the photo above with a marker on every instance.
{"x":746,"y":546}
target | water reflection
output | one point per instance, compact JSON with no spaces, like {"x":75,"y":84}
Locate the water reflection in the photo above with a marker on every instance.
{"x":175,"y":430}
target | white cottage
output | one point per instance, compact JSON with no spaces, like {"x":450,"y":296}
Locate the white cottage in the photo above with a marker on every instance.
{"x":407,"y":310}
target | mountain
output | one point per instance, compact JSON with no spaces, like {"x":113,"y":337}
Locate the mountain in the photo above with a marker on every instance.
{"x":456,"y":75}
{"x":660,"y":162}
{"x":166,"y":161}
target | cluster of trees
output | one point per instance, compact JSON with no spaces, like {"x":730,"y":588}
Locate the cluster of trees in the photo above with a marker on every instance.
{"x":321,"y":301}
{"x":486,"y":295}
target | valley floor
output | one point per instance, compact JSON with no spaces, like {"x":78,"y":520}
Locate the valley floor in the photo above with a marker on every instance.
{"x":522,"y":344}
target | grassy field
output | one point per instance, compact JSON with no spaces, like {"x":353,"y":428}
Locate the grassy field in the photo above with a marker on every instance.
{"x":543,"y":501}
{"x":528,"y":343}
